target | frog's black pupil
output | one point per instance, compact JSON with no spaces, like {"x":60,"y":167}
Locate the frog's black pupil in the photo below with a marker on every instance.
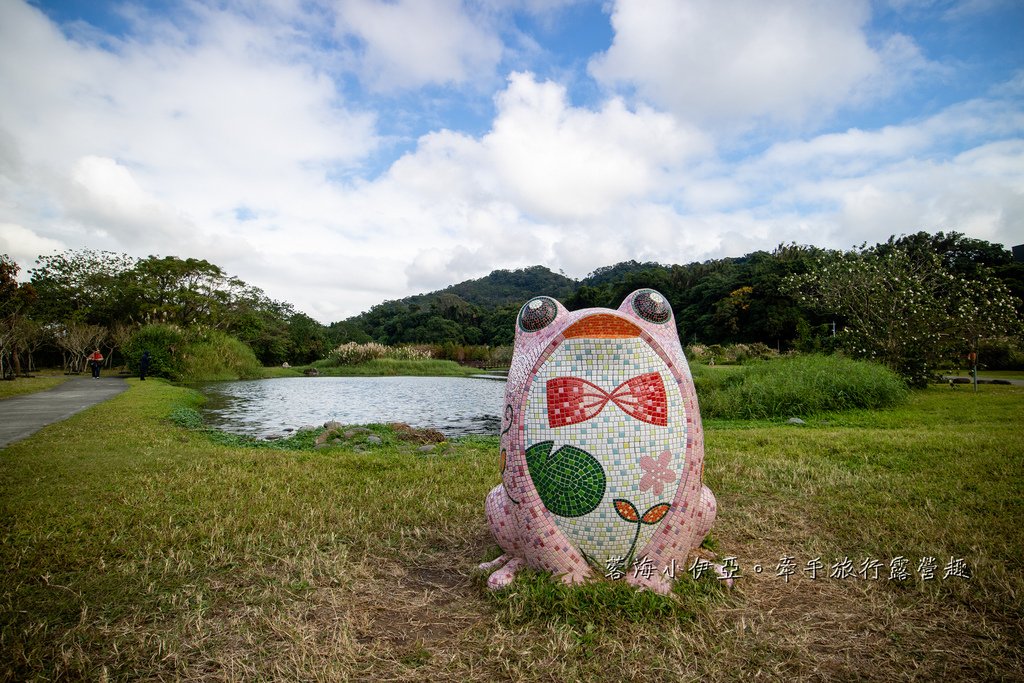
{"x":652,"y":307}
{"x":537,"y":314}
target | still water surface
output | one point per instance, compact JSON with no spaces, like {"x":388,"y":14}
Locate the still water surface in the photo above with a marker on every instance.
{"x":455,"y":405}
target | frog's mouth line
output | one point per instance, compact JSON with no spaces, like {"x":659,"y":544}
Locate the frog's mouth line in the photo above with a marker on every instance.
{"x":602,"y":326}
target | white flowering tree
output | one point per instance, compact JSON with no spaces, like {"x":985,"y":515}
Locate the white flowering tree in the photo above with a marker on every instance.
{"x":905,"y":308}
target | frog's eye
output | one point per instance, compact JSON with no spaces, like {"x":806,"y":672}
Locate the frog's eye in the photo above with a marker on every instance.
{"x":537,"y":314}
{"x":652,"y":306}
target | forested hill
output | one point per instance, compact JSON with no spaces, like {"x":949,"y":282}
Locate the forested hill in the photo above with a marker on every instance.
{"x":481,"y":311}
{"x":742,"y":299}
{"x":503,"y":287}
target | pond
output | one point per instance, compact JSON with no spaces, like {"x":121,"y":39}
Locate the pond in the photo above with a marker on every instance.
{"x":454,"y":405}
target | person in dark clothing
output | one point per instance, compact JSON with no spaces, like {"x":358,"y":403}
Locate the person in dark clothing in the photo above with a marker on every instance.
{"x":143,"y":365}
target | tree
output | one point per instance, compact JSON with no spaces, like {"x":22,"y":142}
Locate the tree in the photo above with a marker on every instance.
{"x":308,"y":341}
{"x":116,"y":337}
{"x":184,"y":291}
{"x":959,"y":253}
{"x":344,"y":331}
{"x":587,"y":297}
{"x":84,"y":286}
{"x":904,"y":306}
{"x":28,"y":337}
{"x":15,"y":330}
{"x":733,"y":311}
{"x":76,"y":340}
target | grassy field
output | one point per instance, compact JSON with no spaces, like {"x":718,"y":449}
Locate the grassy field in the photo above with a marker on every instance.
{"x":135,"y":549}
{"x":29,"y":385}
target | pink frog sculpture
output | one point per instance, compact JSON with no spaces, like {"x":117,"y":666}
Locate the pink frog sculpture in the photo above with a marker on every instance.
{"x":602,"y":449}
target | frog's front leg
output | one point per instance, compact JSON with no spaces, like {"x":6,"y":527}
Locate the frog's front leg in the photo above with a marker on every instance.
{"x":574,"y":577}
{"x":708,"y":510}
{"x":656,"y":581}
{"x":494,"y":564}
{"x":670,"y":546}
{"x":500,"y":519}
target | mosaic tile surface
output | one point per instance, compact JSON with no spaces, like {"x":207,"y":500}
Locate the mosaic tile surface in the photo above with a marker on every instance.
{"x":601,"y":445}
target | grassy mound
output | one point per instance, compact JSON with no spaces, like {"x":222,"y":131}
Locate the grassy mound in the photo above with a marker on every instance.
{"x":192,"y":355}
{"x":795,"y":386}
{"x":218,"y":356}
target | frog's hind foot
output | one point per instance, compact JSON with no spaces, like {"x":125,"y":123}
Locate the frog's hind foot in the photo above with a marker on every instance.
{"x":504,"y":576}
{"x":495,"y":563}
{"x":724,"y":576}
{"x":655,"y":582}
{"x":574,"y":578}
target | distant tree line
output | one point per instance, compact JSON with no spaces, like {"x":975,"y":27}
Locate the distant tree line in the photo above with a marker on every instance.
{"x":911,"y":302}
{"x":81,"y":299}
{"x":726,"y":300}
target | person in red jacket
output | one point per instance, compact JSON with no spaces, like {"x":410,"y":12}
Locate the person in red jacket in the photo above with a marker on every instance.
{"x":95,"y":359}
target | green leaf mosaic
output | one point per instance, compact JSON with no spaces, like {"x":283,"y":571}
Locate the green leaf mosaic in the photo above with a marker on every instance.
{"x":570,"y":481}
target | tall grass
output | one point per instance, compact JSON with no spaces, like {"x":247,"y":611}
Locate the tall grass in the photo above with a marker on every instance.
{"x":730,"y":353}
{"x":797,"y":386}
{"x":373,"y":359}
{"x":218,"y":356}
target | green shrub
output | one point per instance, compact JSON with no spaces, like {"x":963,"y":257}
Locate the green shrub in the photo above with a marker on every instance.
{"x":716,"y":354}
{"x":162,"y":342}
{"x":191,"y":355}
{"x":797,"y":386}
{"x":1003,"y":353}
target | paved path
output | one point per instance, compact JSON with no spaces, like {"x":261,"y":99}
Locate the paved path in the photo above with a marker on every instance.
{"x":983,"y":380}
{"x":22,"y":416}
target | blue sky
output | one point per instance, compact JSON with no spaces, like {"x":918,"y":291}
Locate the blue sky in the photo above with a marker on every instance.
{"x":338,"y":153}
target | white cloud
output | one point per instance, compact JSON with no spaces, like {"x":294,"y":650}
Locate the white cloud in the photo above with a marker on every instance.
{"x":851,"y":153}
{"x":104,"y":193}
{"x":411,"y":43}
{"x":553,"y":161}
{"x":223,"y":135}
{"x":979,"y":192}
{"x":730,"y":62}
{"x":960,"y":125}
{"x":901,"y":184}
{"x":560,"y":162}
{"x":217,"y":101}
{"x":24,"y":245}
{"x":152,"y":145}
{"x":547,"y":173}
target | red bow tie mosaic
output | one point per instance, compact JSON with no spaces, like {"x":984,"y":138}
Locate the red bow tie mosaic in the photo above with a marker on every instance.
{"x":572,"y":400}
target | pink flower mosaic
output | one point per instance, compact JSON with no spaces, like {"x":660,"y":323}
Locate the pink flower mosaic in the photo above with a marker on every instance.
{"x":656,"y":472}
